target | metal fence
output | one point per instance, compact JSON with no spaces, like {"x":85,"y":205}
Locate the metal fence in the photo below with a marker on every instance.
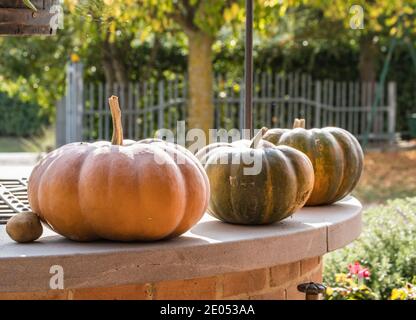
{"x":83,"y":115}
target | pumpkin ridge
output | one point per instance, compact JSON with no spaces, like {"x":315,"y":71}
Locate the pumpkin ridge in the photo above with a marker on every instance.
{"x":185,"y":195}
{"x":327,"y":165}
{"x":269,"y":209}
{"x":78,"y":235}
{"x":171,"y":152}
{"x":299,"y":161}
{"x":179,"y":179}
{"x":175,"y":153}
{"x":342,"y":190}
{"x":233,"y":188}
{"x":89,"y":155}
{"x":282,"y":173}
{"x":348,"y":142}
{"x":291,"y":171}
{"x":210,"y":166}
{"x":300,"y":139}
{"x":37,"y":174}
{"x":80,"y":172}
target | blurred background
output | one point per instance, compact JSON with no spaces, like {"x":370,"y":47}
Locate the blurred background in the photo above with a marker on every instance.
{"x":336,"y":63}
{"x":341,"y":63}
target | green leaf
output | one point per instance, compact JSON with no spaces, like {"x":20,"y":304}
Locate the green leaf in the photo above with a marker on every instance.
{"x":30,"y":5}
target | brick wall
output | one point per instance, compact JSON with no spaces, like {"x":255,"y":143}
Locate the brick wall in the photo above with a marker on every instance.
{"x":274,"y":283}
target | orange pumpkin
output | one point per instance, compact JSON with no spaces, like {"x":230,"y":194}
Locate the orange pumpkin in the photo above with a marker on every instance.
{"x":146,"y":190}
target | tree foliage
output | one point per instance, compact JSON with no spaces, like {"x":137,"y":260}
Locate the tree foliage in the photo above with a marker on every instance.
{"x":131,"y":40}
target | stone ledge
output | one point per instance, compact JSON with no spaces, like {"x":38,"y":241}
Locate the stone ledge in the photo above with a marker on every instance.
{"x":211,"y":248}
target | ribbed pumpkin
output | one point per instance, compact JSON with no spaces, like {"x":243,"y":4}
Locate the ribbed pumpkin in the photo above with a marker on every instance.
{"x":336,"y":156}
{"x":282,"y":185}
{"x":146,"y":190}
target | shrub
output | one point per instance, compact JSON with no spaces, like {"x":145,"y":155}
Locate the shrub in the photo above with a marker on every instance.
{"x":408,"y":292}
{"x":387,"y":247}
{"x":351,"y":286}
{"x":19,"y":118}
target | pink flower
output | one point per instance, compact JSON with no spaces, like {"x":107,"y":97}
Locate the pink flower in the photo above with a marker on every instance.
{"x":355,"y":268}
{"x":360,"y":271}
{"x":364,"y":273}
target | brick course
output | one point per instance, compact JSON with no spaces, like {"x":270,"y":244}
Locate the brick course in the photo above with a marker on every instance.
{"x":273,"y":283}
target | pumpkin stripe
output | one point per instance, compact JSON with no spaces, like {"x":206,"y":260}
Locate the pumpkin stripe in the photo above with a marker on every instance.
{"x":270,"y":201}
{"x":70,"y":219}
{"x":328,"y":164}
{"x":348,"y":170}
{"x":235,"y":186}
{"x":247,"y":195}
{"x":283,"y":174}
{"x":301,"y":166}
{"x":353,"y":163}
{"x":219,"y":177}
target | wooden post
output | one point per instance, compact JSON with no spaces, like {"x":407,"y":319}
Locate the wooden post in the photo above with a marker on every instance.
{"x":241,"y":107}
{"x":318,"y":91}
{"x":392,"y":111}
{"x":248,"y":114}
{"x":69,"y":102}
{"x":79,"y":113}
{"x":161,"y":104}
{"x":60,"y":123}
{"x":74,"y":103}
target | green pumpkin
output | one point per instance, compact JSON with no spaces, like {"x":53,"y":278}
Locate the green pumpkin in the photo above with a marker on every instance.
{"x":282,"y":185}
{"x":336,"y":156}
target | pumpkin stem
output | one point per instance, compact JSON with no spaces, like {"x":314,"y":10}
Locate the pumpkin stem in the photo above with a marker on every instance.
{"x":256,"y":140}
{"x":117,"y":125}
{"x":299,"y":123}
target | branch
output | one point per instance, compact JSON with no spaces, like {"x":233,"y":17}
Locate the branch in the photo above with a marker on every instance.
{"x":184,"y":23}
{"x":184,"y":15}
{"x":30,"y":5}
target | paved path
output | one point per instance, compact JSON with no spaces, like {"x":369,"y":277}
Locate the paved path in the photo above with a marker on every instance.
{"x":17,"y":165}
{"x":18,"y":158}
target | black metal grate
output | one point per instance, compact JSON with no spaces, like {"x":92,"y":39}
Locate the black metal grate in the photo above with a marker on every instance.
{"x":13,"y":198}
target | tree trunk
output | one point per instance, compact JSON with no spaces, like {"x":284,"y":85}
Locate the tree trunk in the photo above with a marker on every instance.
{"x":115,"y":71}
{"x":368,"y":67}
{"x":118,"y":65}
{"x":368,"y":59}
{"x":107,"y":62}
{"x":200,"y":77}
{"x":108,"y":72}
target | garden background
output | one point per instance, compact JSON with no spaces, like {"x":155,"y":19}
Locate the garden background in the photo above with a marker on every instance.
{"x":152,"y":40}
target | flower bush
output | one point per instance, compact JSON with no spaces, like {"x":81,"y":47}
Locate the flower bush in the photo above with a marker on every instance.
{"x":351,"y":286}
{"x":387,"y":247}
{"x":408,"y":292}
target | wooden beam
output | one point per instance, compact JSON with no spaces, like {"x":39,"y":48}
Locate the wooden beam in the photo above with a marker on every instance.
{"x":24,"y":17}
{"x":18,"y":4}
{"x":25,"y":22}
{"x":21,"y":30}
